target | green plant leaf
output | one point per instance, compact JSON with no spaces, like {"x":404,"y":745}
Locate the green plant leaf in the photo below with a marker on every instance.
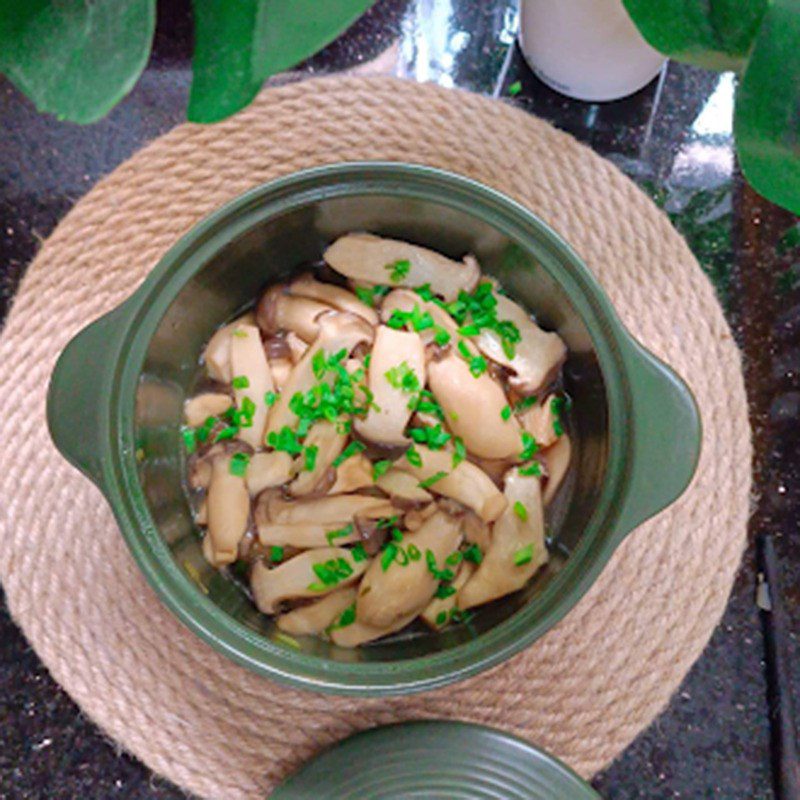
{"x":240,"y":44}
{"x":716,"y":34}
{"x":767,"y":117}
{"x":73,"y":58}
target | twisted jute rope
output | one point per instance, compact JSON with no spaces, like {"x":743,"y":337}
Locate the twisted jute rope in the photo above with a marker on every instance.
{"x":583,"y":691}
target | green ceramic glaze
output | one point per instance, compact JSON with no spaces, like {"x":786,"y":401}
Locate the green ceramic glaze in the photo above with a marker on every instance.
{"x":116,"y":396}
{"x":434,"y":761}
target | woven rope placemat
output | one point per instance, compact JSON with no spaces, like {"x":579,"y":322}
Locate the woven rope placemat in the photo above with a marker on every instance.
{"x":584,"y":690}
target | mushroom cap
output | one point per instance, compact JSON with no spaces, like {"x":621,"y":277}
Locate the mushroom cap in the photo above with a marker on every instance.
{"x":278,"y":311}
{"x":369,"y":259}
{"x":336,"y":296}
{"x":473,"y":408}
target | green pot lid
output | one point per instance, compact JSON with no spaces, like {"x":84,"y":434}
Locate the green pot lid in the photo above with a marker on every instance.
{"x":434,"y":761}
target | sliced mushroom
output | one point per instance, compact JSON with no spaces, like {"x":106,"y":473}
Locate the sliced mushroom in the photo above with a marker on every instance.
{"x":334,"y":511}
{"x":281,"y":369}
{"x":386,"y":595}
{"x":371,"y":259}
{"x":305,"y":535}
{"x":517,"y":549}
{"x":279,"y":311}
{"x":394,"y":354}
{"x":466,"y":483}
{"x":248,"y":361}
{"x":538,"y":355}
{"x":417,"y":517}
{"x":337,"y":331}
{"x":476,"y":531}
{"x":267,"y":470}
{"x":228,"y":511}
{"x":399,"y":484}
{"x":438,"y":612}
{"x":297,"y":578}
{"x":316,"y":617}
{"x":353,"y":473}
{"x":473,"y":408}
{"x":307,"y":286}
{"x":406,"y":301}
{"x":539,"y":420}
{"x":217,"y":355}
{"x":329,"y":443}
{"x":297,"y":347}
{"x":556,"y":459}
{"x":199,"y":408}
{"x":358,"y":633}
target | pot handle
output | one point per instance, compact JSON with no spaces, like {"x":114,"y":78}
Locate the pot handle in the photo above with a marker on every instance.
{"x":666,"y":435}
{"x":77,"y":397}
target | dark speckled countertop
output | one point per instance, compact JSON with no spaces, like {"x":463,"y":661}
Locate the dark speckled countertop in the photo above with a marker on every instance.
{"x":674,"y":139}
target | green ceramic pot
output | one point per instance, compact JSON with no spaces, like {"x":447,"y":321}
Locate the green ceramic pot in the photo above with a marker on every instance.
{"x":115,"y":407}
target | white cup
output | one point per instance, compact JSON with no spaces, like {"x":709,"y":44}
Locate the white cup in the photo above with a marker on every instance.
{"x":586,"y":49}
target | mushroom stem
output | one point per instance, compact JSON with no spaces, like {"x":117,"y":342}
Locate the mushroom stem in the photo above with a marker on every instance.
{"x":217,"y":355}
{"x":249,"y":365}
{"x":228,"y":511}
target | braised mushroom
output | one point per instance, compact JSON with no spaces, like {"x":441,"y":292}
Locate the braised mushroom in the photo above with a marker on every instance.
{"x":358,"y":632}
{"x":341,"y":299}
{"x":334,"y":511}
{"x":406,"y":300}
{"x":316,"y":617}
{"x":323,"y":444}
{"x":197,"y":409}
{"x":391,"y":591}
{"x":556,"y":459}
{"x":402,"y":486}
{"x":465,"y":482}
{"x":396,"y":375}
{"x":217,"y":355}
{"x":267,"y":470}
{"x":375,"y":260}
{"x":305,"y":535}
{"x":228,"y":511}
{"x":537,"y":356}
{"x":278,"y":311}
{"x":542,"y":421}
{"x":476,"y":408}
{"x":252,"y":381}
{"x":517,"y":549}
{"x":313,"y":573}
{"x":352,"y":474}
{"x":338,"y":331}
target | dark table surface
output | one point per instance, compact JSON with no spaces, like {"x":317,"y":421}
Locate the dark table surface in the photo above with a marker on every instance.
{"x":674,"y":139}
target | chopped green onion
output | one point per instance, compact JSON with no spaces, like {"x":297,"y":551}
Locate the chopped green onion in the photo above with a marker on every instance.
{"x":473,"y":553}
{"x":189,"y":439}
{"x":477,"y":366}
{"x":241,"y":382}
{"x":420,"y":320}
{"x":398,"y":270}
{"x":534,"y":468}
{"x":347,"y":617}
{"x":270,"y":398}
{"x":441,"y":336}
{"x":283,"y":638}
{"x":318,"y":364}
{"x":330,"y":573}
{"x":367,"y":359}
{"x":413,"y":552}
{"x":441,"y":618}
{"x":425,"y":291}
{"x":524,"y":555}
{"x":351,"y":450}
{"x":359,"y":553}
{"x":464,"y":350}
{"x":276,"y":554}
{"x":454,"y":558}
{"x":454,"y":416}
{"x":396,"y":534}
{"x":238,"y":464}
{"x":387,"y":522}
{"x":505,"y":414}
{"x":403,"y":377}
{"x":508,"y":349}
{"x":521,"y":511}
{"x":428,"y":482}
{"x":413,"y":457}
{"x":339,"y":533}
{"x":525,"y":403}
{"x":515,"y":88}
{"x":444,"y":591}
{"x":469,"y":330}
{"x":389,"y":553}
{"x":205,"y":429}
{"x":240,"y":334}
{"x":286,"y":440}
{"x":557,"y":407}
{"x":529,"y":446}
{"x":311,"y":457}
{"x":226,"y":433}
{"x":401,"y":557}
{"x":380,"y":468}
{"x":460,"y":451}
